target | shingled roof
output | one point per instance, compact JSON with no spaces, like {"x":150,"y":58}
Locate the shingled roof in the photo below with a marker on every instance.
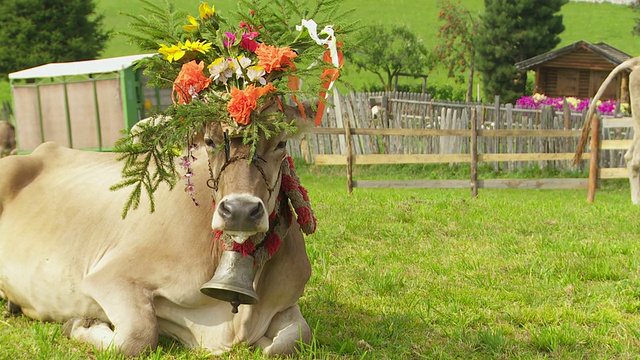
{"x":606,"y":51}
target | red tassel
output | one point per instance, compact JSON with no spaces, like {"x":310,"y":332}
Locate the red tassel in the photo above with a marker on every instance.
{"x":246,"y":248}
{"x":272,"y":244}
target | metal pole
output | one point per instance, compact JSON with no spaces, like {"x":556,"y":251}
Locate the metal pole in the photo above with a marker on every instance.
{"x":66,"y":112}
{"x":96,"y":107}
{"x":41,"y":123}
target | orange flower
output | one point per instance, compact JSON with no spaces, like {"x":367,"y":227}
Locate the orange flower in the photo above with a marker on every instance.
{"x":272,"y":58}
{"x":243,"y":102}
{"x":190,"y":81}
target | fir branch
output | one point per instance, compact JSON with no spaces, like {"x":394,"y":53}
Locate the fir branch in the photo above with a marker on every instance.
{"x":160,"y":25}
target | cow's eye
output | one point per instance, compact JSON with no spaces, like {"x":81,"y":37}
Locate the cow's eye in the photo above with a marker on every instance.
{"x":281,"y":145}
{"x":209,"y":143}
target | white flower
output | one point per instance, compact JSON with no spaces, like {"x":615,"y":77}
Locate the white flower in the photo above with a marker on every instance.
{"x":240,"y":63}
{"x":220,"y":70}
{"x":256,"y":74}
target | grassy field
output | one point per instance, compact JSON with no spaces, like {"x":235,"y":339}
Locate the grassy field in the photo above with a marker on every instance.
{"x":583,"y":21}
{"x":433,"y":274}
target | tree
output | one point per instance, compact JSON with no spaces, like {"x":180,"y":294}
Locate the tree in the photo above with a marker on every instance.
{"x":636,"y":7}
{"x":389,"y":52}
{"x":457,"y":50}
{"x":36,"y":32}
{"x":512,"y":31}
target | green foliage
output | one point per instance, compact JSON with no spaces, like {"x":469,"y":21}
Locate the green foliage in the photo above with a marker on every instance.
{"x":154,"y":25}
{"x":636,"y":28}
{"x":512,"y":31}
{"x":34,"y":32}
{"x":457,"y":50}
{"x":388,"y":51}
{"x":440,"y":92}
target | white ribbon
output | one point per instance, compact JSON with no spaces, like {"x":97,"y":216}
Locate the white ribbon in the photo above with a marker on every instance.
{"x":329,"y":40}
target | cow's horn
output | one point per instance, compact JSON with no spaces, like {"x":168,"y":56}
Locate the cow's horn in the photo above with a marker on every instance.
{"x":233,"y":280}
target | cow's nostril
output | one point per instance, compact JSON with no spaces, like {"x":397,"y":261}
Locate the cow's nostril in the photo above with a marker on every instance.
{"x":224,"y":210}
{"x":257,"y":212}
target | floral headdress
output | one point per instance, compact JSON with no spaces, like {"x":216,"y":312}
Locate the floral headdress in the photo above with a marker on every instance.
{"x":223,"y":71}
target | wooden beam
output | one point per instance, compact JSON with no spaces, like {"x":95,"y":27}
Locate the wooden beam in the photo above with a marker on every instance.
{"x":615,"y":144}
{"x":593,"y":159}
{"x":375,"y":159}
{"x":559,"y":183}
{"x":613,"y":173}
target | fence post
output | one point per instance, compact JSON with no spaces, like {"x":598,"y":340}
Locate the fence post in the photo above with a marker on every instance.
{"x":593,"y":159}
{"x":347,"y":135}
{"x":474,"y":152}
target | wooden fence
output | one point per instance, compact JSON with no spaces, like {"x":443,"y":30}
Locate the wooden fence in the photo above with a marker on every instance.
{"x":412,"y":128}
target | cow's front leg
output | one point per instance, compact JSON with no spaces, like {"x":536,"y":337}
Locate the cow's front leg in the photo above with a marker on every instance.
{"x":129,"y":308}
{"x":632,"y":158}
{"x":286,"y":330}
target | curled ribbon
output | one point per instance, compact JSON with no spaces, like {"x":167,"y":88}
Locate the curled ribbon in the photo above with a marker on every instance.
{"x":334,"y":57}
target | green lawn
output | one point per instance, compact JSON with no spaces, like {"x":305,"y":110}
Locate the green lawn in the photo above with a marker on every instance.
{"x":433,"y":274}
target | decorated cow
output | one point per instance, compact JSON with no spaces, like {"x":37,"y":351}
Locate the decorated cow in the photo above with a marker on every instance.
{"x":194,"y":227}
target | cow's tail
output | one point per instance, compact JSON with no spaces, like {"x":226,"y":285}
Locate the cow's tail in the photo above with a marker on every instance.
{"x":586,"y":126}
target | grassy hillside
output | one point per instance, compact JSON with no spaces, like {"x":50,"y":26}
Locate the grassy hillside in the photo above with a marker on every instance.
{"x":583,"y":21}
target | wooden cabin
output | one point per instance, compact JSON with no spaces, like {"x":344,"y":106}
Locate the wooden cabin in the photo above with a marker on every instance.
{"x":578,"y":70}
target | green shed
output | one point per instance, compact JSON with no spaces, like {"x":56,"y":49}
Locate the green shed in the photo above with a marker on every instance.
{"x":82,"y":104}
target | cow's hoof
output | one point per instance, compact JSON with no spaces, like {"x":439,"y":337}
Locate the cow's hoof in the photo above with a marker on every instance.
{"x":13,"y":308}
{"x":73,"y":323}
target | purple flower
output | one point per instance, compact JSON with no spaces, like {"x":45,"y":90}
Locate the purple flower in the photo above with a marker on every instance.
{"x":231,"y":39}
{"x":189,"y":187}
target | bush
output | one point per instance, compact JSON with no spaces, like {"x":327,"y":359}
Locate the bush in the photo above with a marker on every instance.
{"x":439,"y":92}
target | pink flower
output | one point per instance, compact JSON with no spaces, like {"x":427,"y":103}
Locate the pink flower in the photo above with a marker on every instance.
{"x":231,"y":39}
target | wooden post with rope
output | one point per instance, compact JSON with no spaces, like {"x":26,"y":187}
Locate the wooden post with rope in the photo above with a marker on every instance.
{"x":593,"y":159}
{"x":474,"y":152}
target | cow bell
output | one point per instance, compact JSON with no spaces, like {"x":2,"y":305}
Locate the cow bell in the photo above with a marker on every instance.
{"x":233,"y":280}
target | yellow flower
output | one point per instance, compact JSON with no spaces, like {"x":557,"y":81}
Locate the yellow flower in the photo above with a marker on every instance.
{"x":206,"y":11}
{"x":171,"y":53}
{"x":198,"y":45}
{"x":193,"y":24}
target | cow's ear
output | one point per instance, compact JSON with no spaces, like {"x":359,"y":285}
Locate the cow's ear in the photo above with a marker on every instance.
{"x":295,"y":113}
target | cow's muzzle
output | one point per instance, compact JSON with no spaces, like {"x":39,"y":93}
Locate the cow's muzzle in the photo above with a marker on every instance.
{"x":240,"y":215}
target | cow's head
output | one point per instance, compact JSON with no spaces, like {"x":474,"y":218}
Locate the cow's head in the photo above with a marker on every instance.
{"x":246,"y":185}
{"x":246,"y":178}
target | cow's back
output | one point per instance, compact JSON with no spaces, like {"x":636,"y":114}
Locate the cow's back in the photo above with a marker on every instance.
{"x":59,"y":222}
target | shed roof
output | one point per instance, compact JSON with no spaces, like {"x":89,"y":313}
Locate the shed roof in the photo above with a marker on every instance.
{"x":606,"y":51}
{"x":78,"y":67}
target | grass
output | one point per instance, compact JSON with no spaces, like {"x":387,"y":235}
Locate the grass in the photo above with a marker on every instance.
{"x":433,"y":274}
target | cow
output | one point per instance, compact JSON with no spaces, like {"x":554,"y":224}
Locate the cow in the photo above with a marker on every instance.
{"x":7,"y":138}
{"x":67,"y":255}
{"x":632,"y":156}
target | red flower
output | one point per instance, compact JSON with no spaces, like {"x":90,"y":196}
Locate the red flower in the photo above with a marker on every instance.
{"x":272,"y":58}
{"x":243,"y":102}
{"x":190,"y":81}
